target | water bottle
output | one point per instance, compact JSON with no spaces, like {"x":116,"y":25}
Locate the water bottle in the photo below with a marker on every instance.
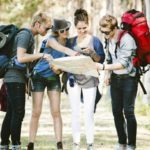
{"x":71,"y":80}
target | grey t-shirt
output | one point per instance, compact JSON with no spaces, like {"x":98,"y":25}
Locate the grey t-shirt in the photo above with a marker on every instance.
{"x":25,"y":40}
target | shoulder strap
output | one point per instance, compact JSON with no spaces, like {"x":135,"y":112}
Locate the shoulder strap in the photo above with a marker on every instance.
{"x":120,"y":35}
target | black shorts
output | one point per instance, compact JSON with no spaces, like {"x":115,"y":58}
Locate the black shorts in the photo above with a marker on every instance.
{"x":40,"y":83}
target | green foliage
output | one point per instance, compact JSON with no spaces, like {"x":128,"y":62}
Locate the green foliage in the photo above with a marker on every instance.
{"x":18,"y":12}
{"x":141,"y":108}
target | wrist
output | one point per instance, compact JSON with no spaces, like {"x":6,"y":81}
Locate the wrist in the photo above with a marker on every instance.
{"x":103,"y":67}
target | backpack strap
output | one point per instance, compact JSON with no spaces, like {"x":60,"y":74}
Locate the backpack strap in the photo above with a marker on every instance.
{"x":120,"y":35}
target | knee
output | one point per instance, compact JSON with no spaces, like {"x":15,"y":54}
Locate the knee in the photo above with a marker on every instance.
{"x":36,"y":114}
{"x":55,"y":114}
{"x":19,"y":113}
{"x":129,"y":113}
{"x":117,"y":113}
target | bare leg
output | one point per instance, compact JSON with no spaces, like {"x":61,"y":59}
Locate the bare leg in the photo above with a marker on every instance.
{"x":54,"y":97}
{"x":36,"y":112}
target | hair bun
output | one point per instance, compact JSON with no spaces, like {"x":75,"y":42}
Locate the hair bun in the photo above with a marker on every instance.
{"x":80,"y":12}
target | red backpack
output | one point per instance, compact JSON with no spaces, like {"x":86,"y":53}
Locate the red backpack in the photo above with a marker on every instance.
{"x":135,"y":23}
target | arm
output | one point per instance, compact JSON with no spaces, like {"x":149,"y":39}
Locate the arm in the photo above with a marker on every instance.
{"x":115,"y":66}
{"x":23,"y":44}
{"x":24,"y":57}
{"x":97,"y":54}
{"x":124,"y":53}
{"x":55,"y":45}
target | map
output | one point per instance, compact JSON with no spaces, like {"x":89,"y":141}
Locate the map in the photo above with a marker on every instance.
{"x":77,"y":65}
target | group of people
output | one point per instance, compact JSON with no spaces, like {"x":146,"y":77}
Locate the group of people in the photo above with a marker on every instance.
{"x":120,"y":75}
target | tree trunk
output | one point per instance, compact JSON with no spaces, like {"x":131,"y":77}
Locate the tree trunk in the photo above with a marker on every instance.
{"x":109,"y":7}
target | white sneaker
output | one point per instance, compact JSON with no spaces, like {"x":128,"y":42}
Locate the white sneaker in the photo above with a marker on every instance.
{"x":90,"y":147}
{"x":4,"y":147}
{"x":76,"y":146}
{"x":130,"y":147}
{"x":121,"y":147}
{"x":16,"y":147}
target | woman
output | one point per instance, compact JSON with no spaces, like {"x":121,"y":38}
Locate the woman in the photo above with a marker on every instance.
{"x":49,"y":77}
{"x":91,"y":46}
{"x":123,"y":81}
{"x":15,"y":80}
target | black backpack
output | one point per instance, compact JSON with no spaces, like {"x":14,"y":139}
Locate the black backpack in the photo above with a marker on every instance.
{"x":7,"y":38}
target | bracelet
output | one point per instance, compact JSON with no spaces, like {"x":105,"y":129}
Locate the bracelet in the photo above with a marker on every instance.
{"x":103,"y":67}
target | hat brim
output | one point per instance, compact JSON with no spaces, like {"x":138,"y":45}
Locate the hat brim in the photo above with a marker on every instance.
{"x":56,"y":29}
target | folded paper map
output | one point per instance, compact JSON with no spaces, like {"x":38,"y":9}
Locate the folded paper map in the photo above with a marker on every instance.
{"x":77,"y":65}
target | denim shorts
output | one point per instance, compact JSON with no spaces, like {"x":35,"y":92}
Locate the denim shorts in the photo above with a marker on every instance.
{"x":40,"y":83}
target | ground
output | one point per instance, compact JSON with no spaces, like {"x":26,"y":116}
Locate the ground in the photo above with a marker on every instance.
{"x":105,"y":134}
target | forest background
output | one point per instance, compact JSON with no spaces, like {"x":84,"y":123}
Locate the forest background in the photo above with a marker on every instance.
{"x":20,"y":12}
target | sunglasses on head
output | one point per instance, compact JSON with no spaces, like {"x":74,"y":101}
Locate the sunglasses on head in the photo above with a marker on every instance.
{"x":63,"y":30}
{"x":106,"y":32}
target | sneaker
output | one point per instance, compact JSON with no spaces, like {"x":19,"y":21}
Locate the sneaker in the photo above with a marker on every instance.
{"x":90,"y":147}
{"x":121,"y":147}
{"x":4,"y":147}
{"x":130,"y":147}
{"x":76,"y":146}
{"x":59,"y":146}
{"x":16,"y":147}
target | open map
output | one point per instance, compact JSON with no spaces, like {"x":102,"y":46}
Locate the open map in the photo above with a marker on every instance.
{"x":77,"y":65}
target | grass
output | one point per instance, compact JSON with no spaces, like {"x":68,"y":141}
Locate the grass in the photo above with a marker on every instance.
{"x":105,"y":134}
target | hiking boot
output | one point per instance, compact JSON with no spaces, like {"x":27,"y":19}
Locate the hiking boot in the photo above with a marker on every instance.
{"x":76,"y":146}
{"x":59,"y":146}
{"x":130,"y":147}
{"x":30,"y":146}
{"x":4,"y":147}
{"x":121,"y":147}
{"x":90,"y":147}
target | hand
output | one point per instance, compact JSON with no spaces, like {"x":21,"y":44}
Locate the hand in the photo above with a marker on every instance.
{"x":56,"y":70}
{"x":98,"y":66}
{"x":88,"y":50}
{"x":75,"y":53}
{"x":107,"y":78}
{"x":48,"y":57}
{"x":107,"y":81}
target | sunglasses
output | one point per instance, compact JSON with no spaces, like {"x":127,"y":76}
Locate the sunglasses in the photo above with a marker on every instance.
{"x":63,"y":30}
{"x":106,"y":32}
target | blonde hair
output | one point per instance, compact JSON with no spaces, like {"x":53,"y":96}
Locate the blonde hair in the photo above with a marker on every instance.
{"x":108,"y":21}
{"x":41,"y":18}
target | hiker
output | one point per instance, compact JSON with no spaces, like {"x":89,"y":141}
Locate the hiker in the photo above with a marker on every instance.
{"x":89,"y":45}
{"x":121,"y":76}
{"x":46,"y":77}
{"x":15,"y":80}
